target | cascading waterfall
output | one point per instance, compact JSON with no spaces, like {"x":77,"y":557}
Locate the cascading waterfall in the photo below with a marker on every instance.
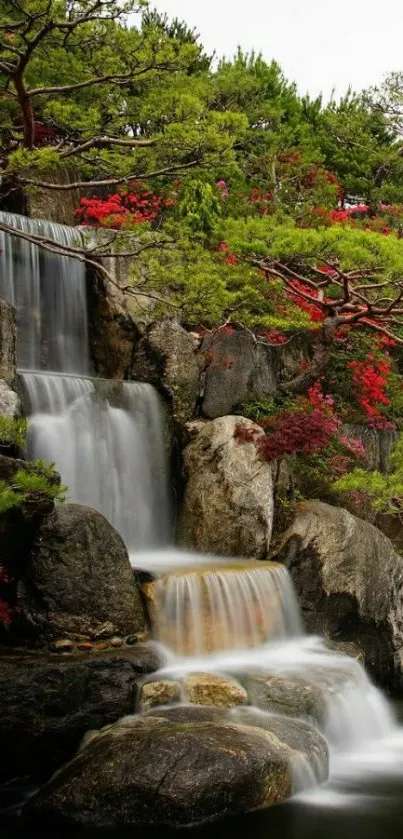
{"x":237,"y":619}
{"x":106,"y":438}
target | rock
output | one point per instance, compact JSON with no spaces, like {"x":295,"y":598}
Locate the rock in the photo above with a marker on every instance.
{"x":210,"y":689}
{"x":238,"y":368}
{"x":63,"y":645}
{"x":7,"y":343}
{"x":116,"y":642}
{"x":78,"y":578}
{"x":113,"y":328}
{"x":166,"y":357}
{"x":49,"y":701}
{"x":165,"y":770}
{"x":349,"y":582}
{"x":347,"y":648}
{"x":160,"y":692}
{"x":10,"y":405}
{"x":291,"y":696}
{"x":227,"y":506}
{"x":131,"y":640}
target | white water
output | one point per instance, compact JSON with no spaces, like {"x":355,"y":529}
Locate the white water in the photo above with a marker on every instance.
{"x":48,"y":291}
{"x":360,"y":727}
{"x":106,"y":439}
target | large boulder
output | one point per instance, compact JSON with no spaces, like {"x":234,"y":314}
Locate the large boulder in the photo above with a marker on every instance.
{"x":7,"y":342}
{"x":166,"y":357}
{"x":227,"y":506}
{"x":349,"y":581}
{"x":176,"y":769}
{"x":49,"y":701}
{"x":78,"y":581}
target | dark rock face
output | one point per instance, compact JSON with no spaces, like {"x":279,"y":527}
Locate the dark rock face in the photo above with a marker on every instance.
{"x":114,"y":331}
{"x":239,"y":368}
{"x":174,"y":770}
{"x":7,"y":342}
{"x":48,"y":702}
{"x":166,"y":357}
{"x":349,"y":582}
{"x":227,"y":506}
{"x":78,"y":582}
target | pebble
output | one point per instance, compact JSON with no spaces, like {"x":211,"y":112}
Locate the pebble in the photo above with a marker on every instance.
{"x":84,"y":646}
{"x":116,"y":642}
{"x":62,"y":646}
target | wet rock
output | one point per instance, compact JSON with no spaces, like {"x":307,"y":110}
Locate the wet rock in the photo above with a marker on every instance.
{"x":49,"y":701}
{"x":185,"y":765}
{"x":291,"y":696}
{"x":210,"y":689}
{"x":159,"y":692}
{"x":116,"y":642}
{"x":227,"y":506}
{"x":7,"y":343}
{"x":349,"y":581}
{"x":172,"y":776}
{"x":347,"y":648}
{"x":78,"y":579}
{"x":166,"y":357}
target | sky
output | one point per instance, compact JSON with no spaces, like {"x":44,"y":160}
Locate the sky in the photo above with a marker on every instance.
{"x":320,"y":44}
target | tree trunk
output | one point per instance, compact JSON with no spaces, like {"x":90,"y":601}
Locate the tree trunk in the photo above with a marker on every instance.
{"x":26,"y":111}
{"x":324,"y":340}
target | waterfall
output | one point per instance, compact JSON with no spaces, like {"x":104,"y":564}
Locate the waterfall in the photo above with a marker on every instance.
{"x":48,"y":291}
{"x":105,"y":438}
{"x":223,"y":608}
{"x":241,"y":619}
{"x":107,"y":441}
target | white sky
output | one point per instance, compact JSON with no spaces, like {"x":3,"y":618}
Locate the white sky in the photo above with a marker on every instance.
{"x":320,"y":44}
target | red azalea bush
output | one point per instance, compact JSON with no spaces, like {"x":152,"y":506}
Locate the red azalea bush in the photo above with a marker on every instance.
{"x":134,"y":205}
{"x":370,"y":379}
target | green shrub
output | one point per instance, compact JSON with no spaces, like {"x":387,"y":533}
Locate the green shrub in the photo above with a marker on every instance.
{"x":13,"y":432}
{"x":37,"y":483}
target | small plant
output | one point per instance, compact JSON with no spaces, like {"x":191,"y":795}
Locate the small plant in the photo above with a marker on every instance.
{"x":13,"y":432}
{"x":32,"y":487}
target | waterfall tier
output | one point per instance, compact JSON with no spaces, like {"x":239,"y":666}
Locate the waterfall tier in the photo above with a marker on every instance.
{"x":222,"y":608}
{"x":107,"y":441}
{"x":49,"y":293}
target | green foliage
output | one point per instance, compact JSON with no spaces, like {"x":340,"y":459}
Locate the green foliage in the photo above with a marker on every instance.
{"x":13,"y":431}
{"x":200,"y":206}
{"x":384,"y":491}
{"x":33,"y":485}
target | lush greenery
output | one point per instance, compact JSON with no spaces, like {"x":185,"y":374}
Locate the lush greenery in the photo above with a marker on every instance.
{"x":243,"y":204}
